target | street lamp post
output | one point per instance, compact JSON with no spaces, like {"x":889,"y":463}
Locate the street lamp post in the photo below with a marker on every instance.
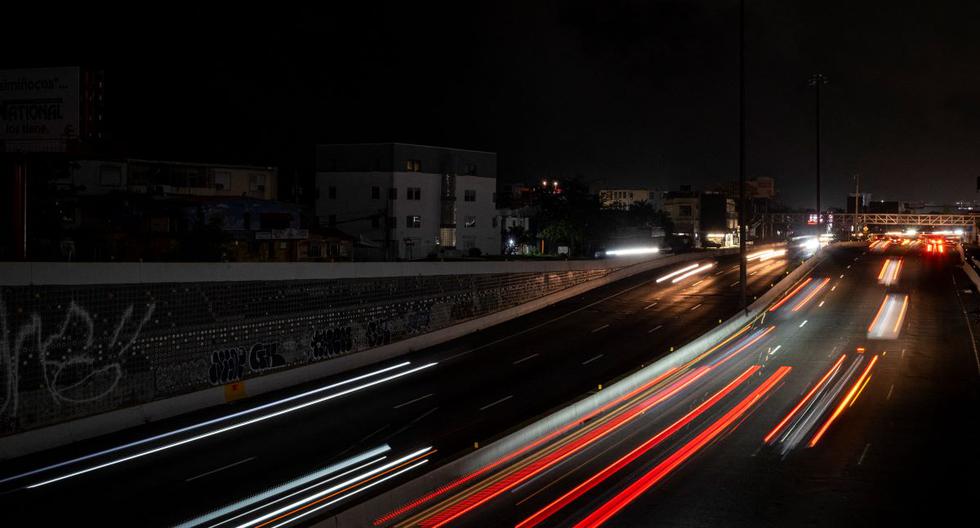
{"x":743,"y":263}
{"x":817,"y":80}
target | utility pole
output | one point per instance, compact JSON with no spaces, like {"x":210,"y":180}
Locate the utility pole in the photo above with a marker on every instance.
{"x":817,"y":80}
{"x":857,"y":202}
{"x":743,"y":263}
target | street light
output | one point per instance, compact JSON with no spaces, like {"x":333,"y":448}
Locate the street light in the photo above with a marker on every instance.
{"x":743,"y":262}
{"x":817,"y":80}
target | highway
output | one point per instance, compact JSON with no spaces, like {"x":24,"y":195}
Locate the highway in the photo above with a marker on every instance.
{"x":852,"y":402}
{"x":357,"y":434}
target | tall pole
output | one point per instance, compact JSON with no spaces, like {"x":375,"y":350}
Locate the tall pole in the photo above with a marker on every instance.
{"x":817,"y":80}
{"x":857,"y":202}
{"x":743,"y":263}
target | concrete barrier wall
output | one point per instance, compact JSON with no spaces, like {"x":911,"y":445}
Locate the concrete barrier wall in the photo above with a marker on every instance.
{"x":84,"y":360}
{"x":364,"y":514}
{"x":102,"y":273}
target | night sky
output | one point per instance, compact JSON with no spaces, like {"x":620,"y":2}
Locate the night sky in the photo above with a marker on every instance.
{"x":637,"y":93}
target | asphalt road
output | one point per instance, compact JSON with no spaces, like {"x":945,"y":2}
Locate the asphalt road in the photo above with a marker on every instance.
{"x":800,"y":420}
{"x":478,"y":388}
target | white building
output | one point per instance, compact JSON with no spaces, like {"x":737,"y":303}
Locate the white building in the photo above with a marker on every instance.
{"x":409,"y":201}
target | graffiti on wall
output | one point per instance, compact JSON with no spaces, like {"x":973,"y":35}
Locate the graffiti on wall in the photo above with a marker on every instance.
{"x":332,"y":342}
{"x":81,"y":358}
{"x":233,"y":364}
{"x":90,"y":349}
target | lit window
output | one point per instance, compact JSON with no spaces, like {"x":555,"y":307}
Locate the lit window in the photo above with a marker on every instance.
{"x":413,"y":221}
{"x":469,"y":221}
{"x":413,"y":165}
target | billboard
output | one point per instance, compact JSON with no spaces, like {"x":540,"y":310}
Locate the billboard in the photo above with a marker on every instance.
{"x":39,"y":108}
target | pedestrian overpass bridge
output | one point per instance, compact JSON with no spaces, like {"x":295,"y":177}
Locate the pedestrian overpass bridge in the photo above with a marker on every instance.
{"x":851,"y":222}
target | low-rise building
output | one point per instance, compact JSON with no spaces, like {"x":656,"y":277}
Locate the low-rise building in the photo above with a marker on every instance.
{"x":409,"y":201}
{"x":625,"y":198}
{"x":93,"y":177}
{"x":703,"y":218}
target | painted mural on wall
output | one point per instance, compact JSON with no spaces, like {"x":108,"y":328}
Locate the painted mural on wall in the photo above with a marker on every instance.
{"x":67,"y":352}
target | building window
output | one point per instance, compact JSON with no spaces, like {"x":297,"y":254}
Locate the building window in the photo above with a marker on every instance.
{"x":314,"y":250}
{"x":469,"y":221}
{"x":375,"y":221}
{"x":413,"y":221}
{"x":685,"y":210}
{"x":469,"y":195}
{"x":332,"y":220}
{"x":413,"y":165}
{"x":110,"y":175}
{"x":391,"y":221}
{"x":393,"y":193}
{"x":471,"y":169}
{"x":222,"y":181}
{"x":413,"y":193}
{"x":495,"y":221}
{"x":375,"y":193}
{"x":332,"y":192}
{"x":256,"y":182}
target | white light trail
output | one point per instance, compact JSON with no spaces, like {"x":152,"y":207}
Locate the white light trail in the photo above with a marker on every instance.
{"x":677,"y":272}
{"x":355,"y":492}
{"x":336,"y":487}
{"x":698,"y":269}
{"x":205,"y":423}
{"x":633,"y":251}
{"x":301,"y":481}
{"x":230,"y":427}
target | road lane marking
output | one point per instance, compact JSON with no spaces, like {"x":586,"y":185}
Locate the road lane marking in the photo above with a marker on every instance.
{"x":696,"y":283}
{"x":848,"y":266}
{"x":501,"y":400}
{"x":414,"y":421}
{"x":522,"y":360}
{"x":695,"y":307}
{"x":654,"y":329}
{"x":863,"y":453}
{"x":773,"y":351}
{"x":603,"y":327}
{"x":834,"y":288}
{"x":734,"y":284}
{"x":821,"y":304}
{"x":842,"y":275}
{"x":890,"y":389}
{"x":222,"y":468}
{"x":803,"y":323}
{"x":559,"y":318}
{"x":420,"y":398}
{"x":586,"y":362}
{"x":650,"y":306}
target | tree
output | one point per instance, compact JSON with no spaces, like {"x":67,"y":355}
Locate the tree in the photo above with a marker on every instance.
{"x":570,"y":215}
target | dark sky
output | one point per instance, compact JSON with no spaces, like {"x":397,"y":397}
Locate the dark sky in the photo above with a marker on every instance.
{"x":631,"y":92}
